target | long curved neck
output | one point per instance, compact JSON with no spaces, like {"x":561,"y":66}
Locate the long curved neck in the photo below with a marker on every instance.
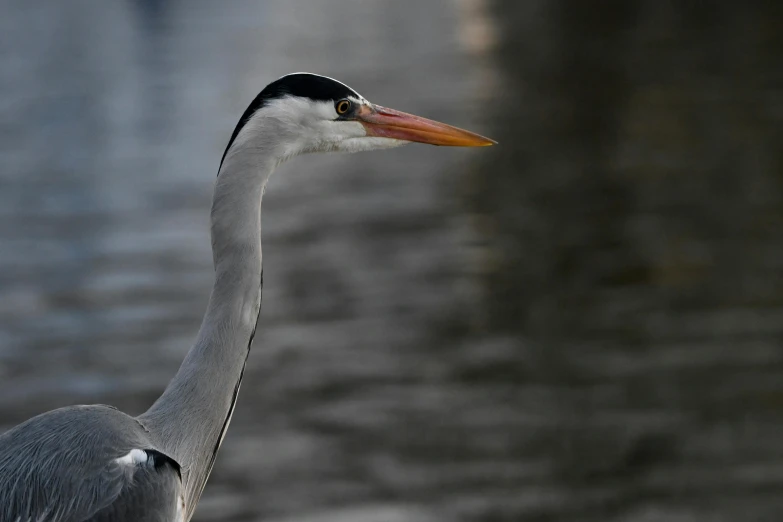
{"x":191,"y":417}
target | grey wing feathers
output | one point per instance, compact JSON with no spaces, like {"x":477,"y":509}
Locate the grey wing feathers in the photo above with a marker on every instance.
{"x":68,"y":466}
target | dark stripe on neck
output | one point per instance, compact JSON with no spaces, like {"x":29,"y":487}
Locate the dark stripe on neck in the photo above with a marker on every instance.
{"x":234,"y":397}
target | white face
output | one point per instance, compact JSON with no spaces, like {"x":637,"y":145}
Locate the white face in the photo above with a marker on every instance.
{"x":304,"y":125}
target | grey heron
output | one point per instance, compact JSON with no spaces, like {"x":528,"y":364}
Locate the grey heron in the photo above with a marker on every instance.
{"x":95,"y":463}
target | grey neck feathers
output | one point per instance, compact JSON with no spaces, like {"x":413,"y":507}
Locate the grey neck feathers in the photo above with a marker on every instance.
{"x":190,"y":419}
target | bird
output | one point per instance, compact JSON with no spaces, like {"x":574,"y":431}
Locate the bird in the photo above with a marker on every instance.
{"x":95,"y":463}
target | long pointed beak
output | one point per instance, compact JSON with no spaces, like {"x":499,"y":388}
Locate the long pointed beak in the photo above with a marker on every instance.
{"x":388,"y":123}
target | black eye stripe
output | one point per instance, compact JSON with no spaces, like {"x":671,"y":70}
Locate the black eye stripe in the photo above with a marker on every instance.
{"x":304,"y":85}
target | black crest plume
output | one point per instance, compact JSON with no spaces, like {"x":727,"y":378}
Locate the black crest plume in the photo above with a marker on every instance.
{"x":304,"y":85}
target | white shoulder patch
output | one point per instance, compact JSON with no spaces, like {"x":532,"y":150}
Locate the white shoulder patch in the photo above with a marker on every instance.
{"x":180,"y":516}
{"x":132,"y":458}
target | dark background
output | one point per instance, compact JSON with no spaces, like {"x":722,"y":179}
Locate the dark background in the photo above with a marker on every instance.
{"x":584,"y":323}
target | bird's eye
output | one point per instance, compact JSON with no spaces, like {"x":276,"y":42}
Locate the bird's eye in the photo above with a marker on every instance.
{"x":342,"y":106}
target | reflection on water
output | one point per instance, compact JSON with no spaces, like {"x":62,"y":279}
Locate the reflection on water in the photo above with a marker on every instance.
{"x":580,"y":324}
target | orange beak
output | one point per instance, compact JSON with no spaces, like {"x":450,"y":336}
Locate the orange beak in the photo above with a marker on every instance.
{"x":387,"y":123}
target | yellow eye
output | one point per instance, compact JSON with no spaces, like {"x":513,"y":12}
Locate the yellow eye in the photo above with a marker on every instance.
{"x":342,"y":106}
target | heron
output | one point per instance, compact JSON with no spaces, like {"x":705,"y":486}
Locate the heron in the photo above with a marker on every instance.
{"x":95,"y":463}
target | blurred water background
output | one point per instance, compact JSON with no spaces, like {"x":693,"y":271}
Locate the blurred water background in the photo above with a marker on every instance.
{"x":582,"y":324}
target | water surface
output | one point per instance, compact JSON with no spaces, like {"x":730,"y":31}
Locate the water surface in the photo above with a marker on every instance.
{"x":582,"y":324}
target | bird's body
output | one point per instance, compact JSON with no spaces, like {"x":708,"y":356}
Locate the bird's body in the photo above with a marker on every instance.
{"x":95,"y":463}
{"x":106,"y":463}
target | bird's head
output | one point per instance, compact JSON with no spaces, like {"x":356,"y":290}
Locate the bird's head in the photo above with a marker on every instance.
{"x":305,"y":112}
